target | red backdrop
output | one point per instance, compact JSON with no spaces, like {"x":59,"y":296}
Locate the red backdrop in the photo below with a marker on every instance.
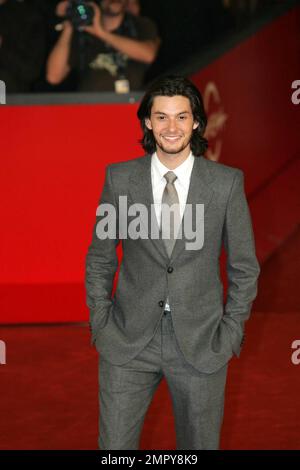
{"x":53,"y":160}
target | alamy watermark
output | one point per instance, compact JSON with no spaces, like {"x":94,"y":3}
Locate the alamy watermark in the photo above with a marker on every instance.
{"x":2,"y":352}
{"x":2,"y":92}
{"x":295,"y":358}
{"x":296,"y":94}
{"x":138,"y":227}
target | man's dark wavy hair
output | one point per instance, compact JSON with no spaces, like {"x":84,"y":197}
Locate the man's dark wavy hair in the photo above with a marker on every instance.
{"x":172,"y":85}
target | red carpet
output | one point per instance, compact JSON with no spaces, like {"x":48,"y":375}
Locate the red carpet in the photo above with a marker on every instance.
{"x":49,"y":384}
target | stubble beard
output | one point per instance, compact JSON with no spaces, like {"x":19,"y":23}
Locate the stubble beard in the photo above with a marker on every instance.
{"x":173,"y":151}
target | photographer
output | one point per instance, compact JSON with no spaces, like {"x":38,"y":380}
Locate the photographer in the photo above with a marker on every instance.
{"x":111,"y":54}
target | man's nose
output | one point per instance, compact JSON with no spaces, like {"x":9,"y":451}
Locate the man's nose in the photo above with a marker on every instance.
{"x":172,"y":125}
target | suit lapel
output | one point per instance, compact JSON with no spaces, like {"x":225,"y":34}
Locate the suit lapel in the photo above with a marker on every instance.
{"x":200,"y":192}
{"x":140,"y":191}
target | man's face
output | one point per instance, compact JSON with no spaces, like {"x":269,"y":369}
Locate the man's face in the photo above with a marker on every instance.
{"x":172,"y":123}
{"x":113,"y":7}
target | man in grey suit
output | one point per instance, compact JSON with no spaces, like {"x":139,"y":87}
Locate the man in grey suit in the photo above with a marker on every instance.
{"x":167,"y":317}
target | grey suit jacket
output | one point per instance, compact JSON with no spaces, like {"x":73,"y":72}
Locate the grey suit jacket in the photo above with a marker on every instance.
{"x":208,"y":332}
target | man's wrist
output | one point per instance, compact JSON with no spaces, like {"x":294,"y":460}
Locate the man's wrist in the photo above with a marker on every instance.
{"x":101,"y":34}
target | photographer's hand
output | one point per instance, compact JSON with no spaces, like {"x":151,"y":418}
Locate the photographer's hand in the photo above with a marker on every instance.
{"x":96,"y":28}
{"x":61,"y":8}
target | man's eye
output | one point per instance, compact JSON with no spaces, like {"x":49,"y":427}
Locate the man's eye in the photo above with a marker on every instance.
{"x":182,"y":118}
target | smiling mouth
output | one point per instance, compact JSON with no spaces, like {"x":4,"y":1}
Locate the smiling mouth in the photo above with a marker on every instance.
{"x":171,"y":138}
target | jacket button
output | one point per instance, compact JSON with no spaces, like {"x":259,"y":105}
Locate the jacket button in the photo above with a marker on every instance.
{"x":170,"y":269}
{"x":161,"y":303}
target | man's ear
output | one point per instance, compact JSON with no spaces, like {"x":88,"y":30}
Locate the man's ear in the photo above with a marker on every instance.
{"x":148,"y":124}
{"x":195,"y":125}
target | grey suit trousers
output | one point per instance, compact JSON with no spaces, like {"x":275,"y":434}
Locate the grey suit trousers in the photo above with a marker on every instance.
{"x":125,"y":393}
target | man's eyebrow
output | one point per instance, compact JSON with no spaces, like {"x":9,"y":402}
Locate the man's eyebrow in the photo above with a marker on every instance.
{"x":181,"y":112}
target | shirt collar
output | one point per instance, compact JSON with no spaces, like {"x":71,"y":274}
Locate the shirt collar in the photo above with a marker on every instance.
{"x":183,"y":171}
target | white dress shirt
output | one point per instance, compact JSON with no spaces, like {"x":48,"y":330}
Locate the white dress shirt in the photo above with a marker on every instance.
{"x":182,"y":183}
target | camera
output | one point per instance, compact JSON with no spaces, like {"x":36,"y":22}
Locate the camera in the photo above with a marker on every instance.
{"x":80,"y":13}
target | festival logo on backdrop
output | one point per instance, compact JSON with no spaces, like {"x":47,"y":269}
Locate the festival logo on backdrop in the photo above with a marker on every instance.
{"x":215,"y":122}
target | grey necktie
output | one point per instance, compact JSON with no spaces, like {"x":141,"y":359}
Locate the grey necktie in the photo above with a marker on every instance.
{"x":170,"y":197}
